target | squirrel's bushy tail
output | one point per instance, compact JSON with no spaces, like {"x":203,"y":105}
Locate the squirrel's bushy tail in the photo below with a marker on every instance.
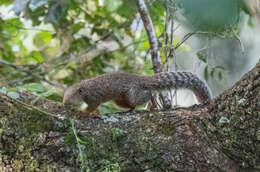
{"x":179,"y":80}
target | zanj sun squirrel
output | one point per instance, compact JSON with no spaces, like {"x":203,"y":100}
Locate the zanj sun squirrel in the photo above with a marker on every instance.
{"x":130,"y":90}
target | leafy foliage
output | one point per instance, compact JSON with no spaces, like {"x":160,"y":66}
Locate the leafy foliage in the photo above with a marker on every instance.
{"x":211,"y":15}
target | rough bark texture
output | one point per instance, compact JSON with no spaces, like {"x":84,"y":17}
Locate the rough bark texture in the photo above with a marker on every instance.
{"x":221,"y":135}
{"x":234,"y":122}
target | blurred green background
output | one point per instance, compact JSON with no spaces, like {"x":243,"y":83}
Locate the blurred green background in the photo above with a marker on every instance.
{"x":48,"y":45}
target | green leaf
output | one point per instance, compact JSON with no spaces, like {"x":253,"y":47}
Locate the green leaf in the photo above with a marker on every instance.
{"x":14,"y":89}
{"x":6,"y":2}
{"x":202,"y":57}
{"x":219,"y":67}
{"x":55,"y":13}
{"x":78,"y":44}
{"x":34,"y":87}
{"x":72,"y":65}
{"x":206,"y":73}
{"x":46,"y":94}
{"x":157,"y":10}
{"x":42,"y":38}
{"x":36,"y":56}
{"x":8,"y":54}
{"x":76,"y":27}
{"x":112,"y":5}
{"x":215,"y":69}
{"x":99,"y":31}
{"x":11,"y":27}
{"x":11,"y":58}
{"x":36,"y":15}
{"x":212,"y":72}
{"x":220,"y":75}
{"x":127,"y":9}
{"x":250,"y":23}
{"x":13,"y":95}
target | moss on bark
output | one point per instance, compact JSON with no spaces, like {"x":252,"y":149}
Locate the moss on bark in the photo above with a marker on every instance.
{"x":221,"y":135}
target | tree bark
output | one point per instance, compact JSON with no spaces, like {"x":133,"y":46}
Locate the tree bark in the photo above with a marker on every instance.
{"x":220,"y":135}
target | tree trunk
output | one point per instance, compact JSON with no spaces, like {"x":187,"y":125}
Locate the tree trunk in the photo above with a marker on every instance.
{"x":221,"y":135}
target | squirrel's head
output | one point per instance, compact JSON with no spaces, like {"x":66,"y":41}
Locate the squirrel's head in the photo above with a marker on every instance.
{"x":72,"y":95}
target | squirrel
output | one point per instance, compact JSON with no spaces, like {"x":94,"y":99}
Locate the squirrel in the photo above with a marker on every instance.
{"x":130,"y":90}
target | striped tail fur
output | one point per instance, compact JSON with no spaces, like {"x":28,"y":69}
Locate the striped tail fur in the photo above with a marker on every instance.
{"x":179,"y":80}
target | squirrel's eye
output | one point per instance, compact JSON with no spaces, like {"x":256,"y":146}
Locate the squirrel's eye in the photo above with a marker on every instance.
{"x":80,"y":91}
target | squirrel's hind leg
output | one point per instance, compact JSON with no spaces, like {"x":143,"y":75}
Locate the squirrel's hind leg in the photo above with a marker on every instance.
{"x":122,"y":103}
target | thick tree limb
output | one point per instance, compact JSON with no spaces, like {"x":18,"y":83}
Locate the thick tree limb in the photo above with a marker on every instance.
{"x":222,"y":135}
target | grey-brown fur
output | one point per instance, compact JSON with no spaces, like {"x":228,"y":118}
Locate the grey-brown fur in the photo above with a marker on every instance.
{"x":129,"y":90}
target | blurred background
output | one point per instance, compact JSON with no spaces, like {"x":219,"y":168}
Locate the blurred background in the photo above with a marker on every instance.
{"x":47,"y":45}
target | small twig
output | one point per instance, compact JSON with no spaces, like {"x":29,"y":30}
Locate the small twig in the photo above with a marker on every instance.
{"x":33,"y":29}
{"x":166,"y":35}
{"x":240,"y":43}
{"x":185,"y":38}
{"x":20,"y":69}
{"x":172,"y":53}
{"x":188,"y":35}
{"x":176,"y":28}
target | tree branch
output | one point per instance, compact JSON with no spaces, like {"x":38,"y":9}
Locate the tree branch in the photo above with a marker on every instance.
{"x":20,"y":69}
{"x":154,"y":48}
{"x":148,"y":25}
{"x":221,"y":135}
